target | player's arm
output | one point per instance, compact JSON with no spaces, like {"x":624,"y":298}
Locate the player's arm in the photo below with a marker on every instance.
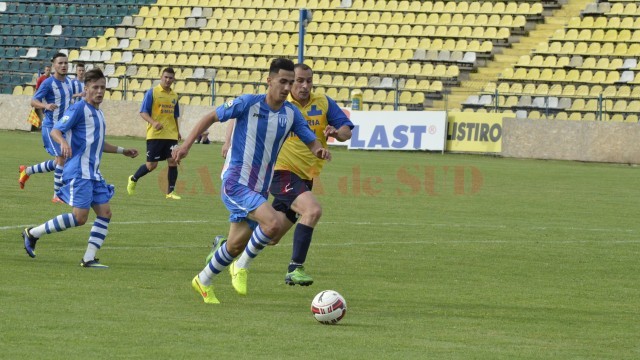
{"x":145,"y":110}
{"x":36,"y":100}
{"x":339,"y":124}
{"x":227,"y":138}
{"x":176,"y":116}
{"x":180,"y":152}
{"x":112,"y":149}
{"x":155,"y":124}
{"x":316,"y":148}
{"x":40,"y":105}
{"x":57,"y":136}
{"x":341,"y":134}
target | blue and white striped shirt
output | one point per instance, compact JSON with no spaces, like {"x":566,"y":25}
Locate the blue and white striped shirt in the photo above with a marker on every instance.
{"x":77,"y":87}
{"x":57,"y":92}
{"x":84,"y":129}
{"x":257,"y":137}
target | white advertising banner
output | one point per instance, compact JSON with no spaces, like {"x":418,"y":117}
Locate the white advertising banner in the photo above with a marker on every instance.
{"x":399,"y":130}
{"x":332,"y":141}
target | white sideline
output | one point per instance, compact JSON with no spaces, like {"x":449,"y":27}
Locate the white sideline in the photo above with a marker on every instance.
{"x":362,"y":223}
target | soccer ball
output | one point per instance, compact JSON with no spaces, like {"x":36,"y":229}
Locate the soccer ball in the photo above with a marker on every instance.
{"x":328,"y":307}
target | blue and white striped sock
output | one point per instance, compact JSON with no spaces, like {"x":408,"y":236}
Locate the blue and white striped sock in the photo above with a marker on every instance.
{"x":256,"y":244}
{"x":57,"y":224}
{"x":57,"y":178}
{"x":43,"y":167}
{"x":99,"y":232}
{"x":220,"y":260}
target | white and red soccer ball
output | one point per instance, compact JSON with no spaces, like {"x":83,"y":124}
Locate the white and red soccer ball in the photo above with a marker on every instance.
{"x":328,"y":307}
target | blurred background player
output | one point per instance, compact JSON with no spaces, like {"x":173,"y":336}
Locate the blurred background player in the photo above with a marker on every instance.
{"x":161,"y":111}
{"x":295,"y":170}
{"x":42,"y":77}
{"x":262,"y":124}
{"x":45,"y":75}
{"x":84,"y":188}
{"x":56,"y":92}
{"x":78,"y":83}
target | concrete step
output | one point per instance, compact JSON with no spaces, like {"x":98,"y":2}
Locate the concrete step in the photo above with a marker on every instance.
{"x":509,"y":56}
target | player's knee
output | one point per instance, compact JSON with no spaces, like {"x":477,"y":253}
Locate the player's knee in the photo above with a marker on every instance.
{"x":271,"y":227}
{"x":152,"y":166}
{"x":313,"y":213}
{"x":106,"y":214}
{"x":234,"y":249}
{"x":81,"y":219}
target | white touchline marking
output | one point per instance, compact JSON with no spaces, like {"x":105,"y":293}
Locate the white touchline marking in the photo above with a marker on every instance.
{"x":383,"y":243}
{"x":364,"y":223}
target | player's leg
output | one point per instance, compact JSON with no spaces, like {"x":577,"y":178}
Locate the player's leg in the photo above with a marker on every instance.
{"x":247,"y":256}
{"x":74,"y":195}
{"x":144,"y":169}
{"x":245,"y":207}
{"x":43,"y":167}
{"x":101,"y":194}
{"x":98,"y":234}
{"x":310,"y":212}
{"x":26,"y":171}
{"x":59,"y":223}
{"x":239,"y":232}
{"x":172,"y":177}
{"x":57,"y":177}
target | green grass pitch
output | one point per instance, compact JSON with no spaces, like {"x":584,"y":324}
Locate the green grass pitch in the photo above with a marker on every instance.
{"x":438,"y":256}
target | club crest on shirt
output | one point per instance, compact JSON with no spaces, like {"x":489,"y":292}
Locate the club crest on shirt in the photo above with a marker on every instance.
{"x":282,"y":120}
{"x":228,"y":104}
{"x":65,"y":119}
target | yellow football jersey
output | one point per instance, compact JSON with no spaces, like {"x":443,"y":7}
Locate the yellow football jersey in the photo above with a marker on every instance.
{"x":163,"y":107}
{"x":295,"y":156}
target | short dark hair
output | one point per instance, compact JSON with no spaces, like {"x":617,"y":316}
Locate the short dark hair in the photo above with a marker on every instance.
{"x":302,"y":66}
{"x":280,"y":64}
{"x":57,"y":55}
{"x":94,"y":74}
{"x":169,"y":70}
{"x":80,"y":65}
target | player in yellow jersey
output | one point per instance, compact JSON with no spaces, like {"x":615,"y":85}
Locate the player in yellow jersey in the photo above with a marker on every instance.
{"x":295,"y":170}
{"x":161,"y":111}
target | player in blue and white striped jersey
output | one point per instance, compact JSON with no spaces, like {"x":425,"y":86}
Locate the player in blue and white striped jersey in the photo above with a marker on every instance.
{"x":77,"y":84}
{"x":54,"y":97}
{"x":81,"y":135}
{"x":262,"y":124}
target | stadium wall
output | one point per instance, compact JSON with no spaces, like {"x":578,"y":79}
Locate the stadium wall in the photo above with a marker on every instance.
{"x":521,"y":138}
{"x":571,"y":140}
{"x":122,"y":117}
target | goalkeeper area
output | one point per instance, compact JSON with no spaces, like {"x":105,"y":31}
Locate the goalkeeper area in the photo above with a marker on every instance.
{"x":438,"y":256}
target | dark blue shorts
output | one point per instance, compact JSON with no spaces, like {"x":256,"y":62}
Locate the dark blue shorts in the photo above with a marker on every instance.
{"x":285,"y":188}
{"x":159,"y":149}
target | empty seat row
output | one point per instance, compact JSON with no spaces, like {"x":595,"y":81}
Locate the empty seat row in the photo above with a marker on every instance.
{"x":604,"y":22}
{"x":577,"y":61}
{"x":589,"y":49}
{"x":610,"y":35}
{"x":568,"y":90}
{"x":574,"y":75}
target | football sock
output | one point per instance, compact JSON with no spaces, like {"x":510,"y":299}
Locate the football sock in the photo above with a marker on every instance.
{"x":57,"y":177}
{"x":220,"y":260}
{"x":43,"y":167}
{"x":301,"y":242}
{"x":99,"y":232}
{"x":256,"y":244}
{"x":142,"y":171}
{"x":58,"y":223}
{"x":173,"y":177}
